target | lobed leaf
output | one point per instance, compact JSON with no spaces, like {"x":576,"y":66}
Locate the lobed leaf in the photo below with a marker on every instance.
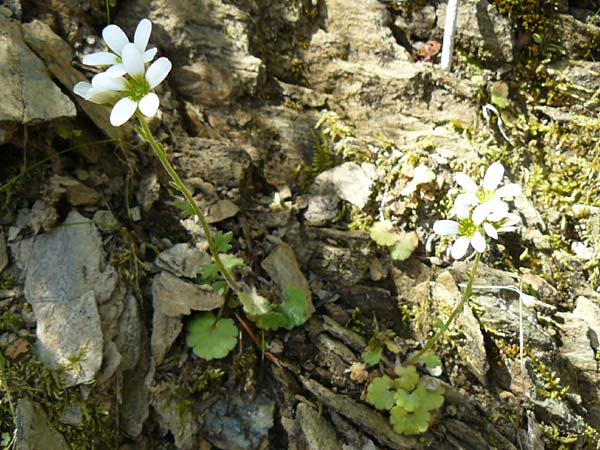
{"x":380,"y":394}
{"x":209,"y":337}
{"x":383,"y":233}
{"x":405,"y":422}
{"x":407,"y":377}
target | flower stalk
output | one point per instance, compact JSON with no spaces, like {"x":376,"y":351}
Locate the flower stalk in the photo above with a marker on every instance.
{"x":159,"y":150}
{"x":466,"y":295}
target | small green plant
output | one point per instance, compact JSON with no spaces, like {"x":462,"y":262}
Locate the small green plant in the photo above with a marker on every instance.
{"x":408,"y":397}
{"x":290,"y":313}
{"x":401,"y":244}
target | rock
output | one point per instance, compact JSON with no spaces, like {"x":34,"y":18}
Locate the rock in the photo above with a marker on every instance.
{"x":182,"y":260}
{"x":57,"y":56}
{"x":480,"y":26}
{"x":105,"y":220}
{"x":581,"y":35}
{"x":317,"y":430}
{"x":347,"y":182}
{"x":282,"y":267}
{"x":77,"y":193}
{"x":175,"y":415}
{"x":221,"y":210}
{"x":217,"y":162}
{"x":174,"y":297}
{"x":210,"y":45}
{"x":165,"y":330}
{"x":368,"y":419}
{"x":35,"y":432}
{"x":239,"y":423}
{"x":65,"y":277}
{"x":3,"y":251}
{"x":445,"y":296}
{"x":30,"y":94}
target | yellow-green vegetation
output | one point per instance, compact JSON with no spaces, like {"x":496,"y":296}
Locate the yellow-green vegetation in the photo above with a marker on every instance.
{"x":27,"y":376}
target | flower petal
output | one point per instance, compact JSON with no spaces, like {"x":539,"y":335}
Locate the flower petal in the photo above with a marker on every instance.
{"x":149,"y":104}
{"x":100,"y":59}
{"x":478,"y":242}
{"x":465,"y":182}
{"x":118,"y":70}
{"x":510,"y":190}
{"x":106,"y":82}
{"x":490,"y":230}
{"x":82,"y":89}
{"x":463,"y":205}
{"x":158,"y":71}
{"x":460,"y":246}
{"x":150,"y":54}
{"x":445,"y":227}
{"x":122,"y":111}
{"x":482,"y":212}
{"x":142,"y":34}
{"x":133,"y":60}
{"x":102,"y":96}
{"x":493,"y":176}
{"x":115,"y":38}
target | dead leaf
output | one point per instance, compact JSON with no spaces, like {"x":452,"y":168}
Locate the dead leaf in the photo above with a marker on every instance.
{"x":17,"y":348}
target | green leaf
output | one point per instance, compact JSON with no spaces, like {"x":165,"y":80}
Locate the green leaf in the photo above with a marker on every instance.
{"x":222,"y":241}
{"x":427,"y":399}
{"x":272,"y":320}
{"x":499,"y":94}
{"x":209,"y":273}
{"x":404,"y":246}
{"x":231,"y":261}
{"x":382,"y":233}
{"x":405,"y":422}
{"x":431,"y":360}
{"x":372,"y":355}
{"x":254,"y":304}
{"x":211,"y":338}
{"x":294,"y":307}
{"x":185,"y":208}
{"x":380,"y":394}
{"x":407,"y":377}
{"x":219,"y":286}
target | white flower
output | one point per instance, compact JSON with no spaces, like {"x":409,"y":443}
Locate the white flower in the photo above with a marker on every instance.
{"x":131,"y":92}
{"x":479,"y":210}
{"x":486,"y":196}
{"x":116,"y":40}
{"x":468,"y":232}
{"x":103,"y":89}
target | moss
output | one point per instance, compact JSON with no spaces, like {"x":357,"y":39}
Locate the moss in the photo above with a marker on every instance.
{"x":27,"y":376}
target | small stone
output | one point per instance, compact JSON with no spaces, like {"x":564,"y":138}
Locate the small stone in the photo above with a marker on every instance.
{"x":175,"y":297}
{"x":78,"y":194}
{"x":35,"y":432}
{"x":175,"y":415}
{"x":135,"y":213}
{"x":318,"y":432}
{"x":183,"y":260}
{"x":105,"y":220}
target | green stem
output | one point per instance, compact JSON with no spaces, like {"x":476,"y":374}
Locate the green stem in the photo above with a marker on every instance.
{"x":465,"y":296}
{"x":162,"y":156}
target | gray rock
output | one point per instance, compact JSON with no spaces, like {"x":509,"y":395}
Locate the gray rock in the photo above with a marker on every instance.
{"x":480,"y":26}
{"x":165,"y":330}
{"x":174,"y":297}
{"x":35,"y":432}
{"x":65,"y":277}
{"x":77,"y":193}
{"x":239,"y":423}
{"x":282,"y":267}
{"x":214,"y":41}
{"x":30,"y":94}
{"x":317,"y":430}
{"x":217,"y":162}
{"x":472,"y":349}
{"x":3,"y":251}
{"x":182,"y":260}
{"x":69,"y":335}
{"x":175,"y":415}
{"x":347,"y":182}
{"x":105,"y":220}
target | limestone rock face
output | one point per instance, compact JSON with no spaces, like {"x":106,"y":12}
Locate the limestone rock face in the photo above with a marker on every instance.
{"x":28,"y":92}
